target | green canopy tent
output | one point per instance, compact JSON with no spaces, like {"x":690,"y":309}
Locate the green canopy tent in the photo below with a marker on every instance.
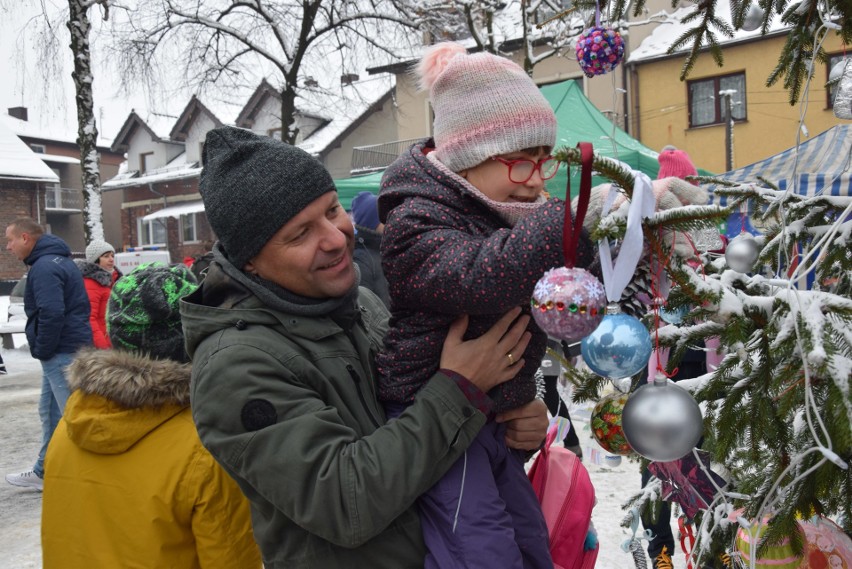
{"x":348,"y":188}
{"x":578,"y":121}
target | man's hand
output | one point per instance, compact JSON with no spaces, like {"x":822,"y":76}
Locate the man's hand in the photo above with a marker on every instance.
{"x":526,"y":426}
{"x":494,"y":357}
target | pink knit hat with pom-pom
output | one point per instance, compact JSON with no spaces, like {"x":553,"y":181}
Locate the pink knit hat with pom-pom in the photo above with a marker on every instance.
{"x":675,"y":163}
{"x":485,"y":106}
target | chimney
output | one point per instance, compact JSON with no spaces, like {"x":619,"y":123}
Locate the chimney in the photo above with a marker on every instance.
{"x":18,"y":113}
{"x":348,"y":78}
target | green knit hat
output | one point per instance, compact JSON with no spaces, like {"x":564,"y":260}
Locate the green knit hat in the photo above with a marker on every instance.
{"x":143,"y":313}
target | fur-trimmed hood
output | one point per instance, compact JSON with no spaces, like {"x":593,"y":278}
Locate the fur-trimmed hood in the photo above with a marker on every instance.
{"x":129,"y":379}
{"x":95,"y":272}
{"x":118,"y":397}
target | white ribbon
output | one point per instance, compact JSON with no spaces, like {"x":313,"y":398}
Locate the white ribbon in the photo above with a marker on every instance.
{"x":642,"y":205}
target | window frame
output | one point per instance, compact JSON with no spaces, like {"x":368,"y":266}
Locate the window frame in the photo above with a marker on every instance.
{"x":717,"y":100}
{"x":183,"y":227}
{"x":830,"y":91}
{"x":140,"y":223}
{"x":143,"y":161}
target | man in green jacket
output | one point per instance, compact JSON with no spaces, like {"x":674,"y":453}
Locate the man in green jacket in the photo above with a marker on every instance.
{"x":283,"y":382}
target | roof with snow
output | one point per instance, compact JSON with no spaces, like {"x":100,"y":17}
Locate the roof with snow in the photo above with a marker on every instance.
{"x":177,"y":169}
{"x":656,"y":45}
{"x":344,"y":107}
{"x":154,"y":125}
{"x":190,"y":114}
{"x":19,"y":162}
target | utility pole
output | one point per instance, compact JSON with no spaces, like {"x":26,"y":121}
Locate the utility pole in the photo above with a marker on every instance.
{"x":727,"y":95}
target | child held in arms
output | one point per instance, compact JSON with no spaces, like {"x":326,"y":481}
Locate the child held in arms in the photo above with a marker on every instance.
{"x":469,"y":230}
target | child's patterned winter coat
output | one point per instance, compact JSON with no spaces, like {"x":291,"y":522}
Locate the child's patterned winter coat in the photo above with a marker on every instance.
{"x":445,"y":253}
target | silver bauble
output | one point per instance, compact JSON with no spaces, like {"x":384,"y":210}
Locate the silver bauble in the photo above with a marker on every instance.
{"x":661,"y":421}
{"x":837,"y":71}
{"x":707,"y":239}
{"x":842,"y":103}
{"x":753,"y":18}
{"x":742,"y":252}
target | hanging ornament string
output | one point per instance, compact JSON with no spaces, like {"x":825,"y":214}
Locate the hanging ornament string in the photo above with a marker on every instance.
{"x":571,"y":232}
{"x":660,"y":291}
{"x":617,"y":276}
{"x":569,"y":302}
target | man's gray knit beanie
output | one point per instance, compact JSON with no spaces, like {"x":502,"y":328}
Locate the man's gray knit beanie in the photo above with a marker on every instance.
{"x":252,"y":185}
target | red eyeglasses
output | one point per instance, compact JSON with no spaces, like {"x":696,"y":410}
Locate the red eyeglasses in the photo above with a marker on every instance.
{"x":522,"y":169}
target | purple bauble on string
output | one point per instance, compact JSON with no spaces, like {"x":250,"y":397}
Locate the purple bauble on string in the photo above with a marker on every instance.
{"x":599,"y":50}
{"x":568,"y":304}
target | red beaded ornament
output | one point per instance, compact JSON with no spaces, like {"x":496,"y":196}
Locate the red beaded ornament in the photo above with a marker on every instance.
{"x":568,"y":303}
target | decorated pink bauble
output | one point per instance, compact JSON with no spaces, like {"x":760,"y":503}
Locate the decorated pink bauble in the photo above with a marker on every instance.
{"x":599,"y":50}
{"x":825,"y":546}
{"x":568,"y":304}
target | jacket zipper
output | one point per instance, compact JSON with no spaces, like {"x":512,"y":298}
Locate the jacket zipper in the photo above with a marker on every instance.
{"x":357,"y":379}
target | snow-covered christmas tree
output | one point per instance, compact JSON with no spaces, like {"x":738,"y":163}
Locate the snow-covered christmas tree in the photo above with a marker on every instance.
{"x":771,"y":485}
{"x":777,"y":410}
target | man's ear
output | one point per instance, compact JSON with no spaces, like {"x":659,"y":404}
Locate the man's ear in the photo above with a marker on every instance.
{"x":250,"y":268}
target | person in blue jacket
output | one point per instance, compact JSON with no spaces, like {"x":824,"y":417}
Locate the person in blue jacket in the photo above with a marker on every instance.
{"x":57,"y":309}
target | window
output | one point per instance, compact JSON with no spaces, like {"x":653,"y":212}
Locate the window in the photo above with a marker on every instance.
{"x":38,"y":148}
{"x":832,"y":90}
{"x":152,"y":232}
{"x":188,"y":228}
{"x":144,"y":158}
{"x":706,"y":105}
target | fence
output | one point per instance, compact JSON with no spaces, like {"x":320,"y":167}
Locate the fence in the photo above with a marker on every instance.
{"x":378,"y":156}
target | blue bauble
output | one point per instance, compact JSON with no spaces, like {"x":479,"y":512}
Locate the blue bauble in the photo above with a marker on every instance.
{"x":619,"y":347}
{"x":674,"y":316}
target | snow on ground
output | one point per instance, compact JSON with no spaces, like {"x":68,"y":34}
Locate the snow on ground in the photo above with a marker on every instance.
{"x":19,"y":438}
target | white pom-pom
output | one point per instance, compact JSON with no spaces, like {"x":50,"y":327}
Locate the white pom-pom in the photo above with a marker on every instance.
{"x":435,"y":60}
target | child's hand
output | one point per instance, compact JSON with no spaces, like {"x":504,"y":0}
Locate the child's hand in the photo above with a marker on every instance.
{"x":526,"y":426}
{"x":493,"y":358}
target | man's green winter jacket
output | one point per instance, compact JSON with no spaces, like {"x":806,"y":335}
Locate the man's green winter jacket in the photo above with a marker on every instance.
{"x":287,"y":404}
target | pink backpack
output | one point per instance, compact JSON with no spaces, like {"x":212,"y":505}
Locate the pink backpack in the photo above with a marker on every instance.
{"x":567,"y":497}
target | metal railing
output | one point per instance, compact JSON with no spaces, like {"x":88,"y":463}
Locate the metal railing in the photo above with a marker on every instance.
{"x":169,"y":169}
{"x":63,"y":198}
{"x":377,"y":156}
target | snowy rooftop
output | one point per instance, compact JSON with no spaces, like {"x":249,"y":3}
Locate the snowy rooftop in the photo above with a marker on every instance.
{"x":342,"y":106}
{"x":17,"y":160}
{"x":177,"y":169}
{"x":658,"y":42}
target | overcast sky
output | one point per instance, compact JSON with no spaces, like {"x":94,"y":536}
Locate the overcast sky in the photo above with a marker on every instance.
{"x":50,"y":101}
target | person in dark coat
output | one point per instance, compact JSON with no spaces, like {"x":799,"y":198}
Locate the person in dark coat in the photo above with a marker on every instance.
{"x":469,"y":229}
{"x":368,"y":239}
{"x":57,"y":309}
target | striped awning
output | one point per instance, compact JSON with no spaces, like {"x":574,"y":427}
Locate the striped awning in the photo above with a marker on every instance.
{"x":821,"y":165}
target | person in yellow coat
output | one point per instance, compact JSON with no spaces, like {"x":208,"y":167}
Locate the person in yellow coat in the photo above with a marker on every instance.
{"x":129,"y":482}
